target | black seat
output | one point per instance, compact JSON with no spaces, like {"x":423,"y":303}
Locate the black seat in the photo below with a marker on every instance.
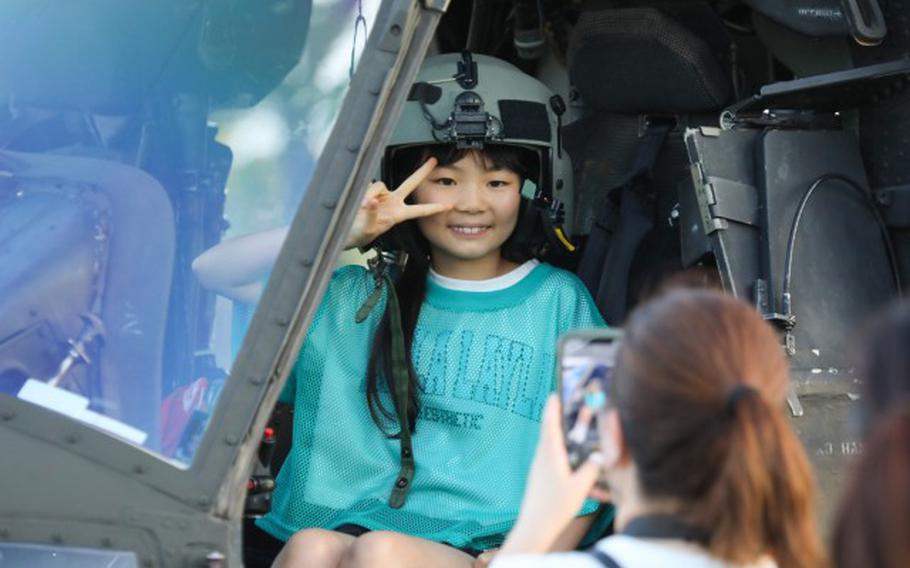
{"x":634,"y":69}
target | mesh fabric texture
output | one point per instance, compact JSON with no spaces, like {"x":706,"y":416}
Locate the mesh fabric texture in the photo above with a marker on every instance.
{"x":485,"y":361}
{"x":640,"y":60}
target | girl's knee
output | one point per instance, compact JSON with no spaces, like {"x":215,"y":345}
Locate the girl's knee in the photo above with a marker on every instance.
{"x":312,"y":547}
{"x":378,"y":548}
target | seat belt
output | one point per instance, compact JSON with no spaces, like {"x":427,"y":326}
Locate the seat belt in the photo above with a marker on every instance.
{"x":627,"y":216}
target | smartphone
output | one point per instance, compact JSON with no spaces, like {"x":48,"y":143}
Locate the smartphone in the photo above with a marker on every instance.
{"x":585,"y":363}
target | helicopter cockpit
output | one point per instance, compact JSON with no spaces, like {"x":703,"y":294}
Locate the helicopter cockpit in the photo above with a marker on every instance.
{"x":759,"y":145}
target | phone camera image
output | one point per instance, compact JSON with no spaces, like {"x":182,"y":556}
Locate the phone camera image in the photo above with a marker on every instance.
{"x":585,"y":369}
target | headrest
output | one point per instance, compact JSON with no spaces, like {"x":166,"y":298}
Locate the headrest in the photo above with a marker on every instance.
{"x":638,"y":60}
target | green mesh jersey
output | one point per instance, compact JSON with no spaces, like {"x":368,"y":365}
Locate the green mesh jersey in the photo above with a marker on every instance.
{"x":485,"y":361}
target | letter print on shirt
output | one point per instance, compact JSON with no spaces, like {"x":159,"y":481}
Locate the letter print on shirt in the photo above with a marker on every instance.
{"x":504,"y":371}
{"x":432,"y":372}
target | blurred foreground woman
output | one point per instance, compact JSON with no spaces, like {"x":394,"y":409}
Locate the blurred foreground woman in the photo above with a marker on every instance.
{"x":697,"y":452}
{"x":873,"y":527}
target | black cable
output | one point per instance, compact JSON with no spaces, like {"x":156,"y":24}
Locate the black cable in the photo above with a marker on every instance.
{"x":791,"y":241}
{"x":430,"y":118}
{"x":434,"y":126}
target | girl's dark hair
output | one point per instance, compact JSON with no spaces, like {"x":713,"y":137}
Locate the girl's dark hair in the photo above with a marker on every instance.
{"x":411,"y":285}
{"x":700,"y":386}
{"x":874,"y":520}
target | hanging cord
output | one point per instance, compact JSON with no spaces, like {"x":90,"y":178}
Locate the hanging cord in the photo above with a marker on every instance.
{"x":359,"y":22}
{"x":380,"y":267}
{"x":791,"y":241}
{"x":435,"y":126}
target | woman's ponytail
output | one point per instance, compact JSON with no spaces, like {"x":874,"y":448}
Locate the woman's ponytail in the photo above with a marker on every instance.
{"x":761,"y":502}
{"x":700,"y":386}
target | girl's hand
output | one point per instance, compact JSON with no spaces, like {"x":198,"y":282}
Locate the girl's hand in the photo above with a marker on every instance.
{"x":383,"y":209}
{"x":554,"y":494}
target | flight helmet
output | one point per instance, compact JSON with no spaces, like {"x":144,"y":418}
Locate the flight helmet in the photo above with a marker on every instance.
{"x":471,"y":101}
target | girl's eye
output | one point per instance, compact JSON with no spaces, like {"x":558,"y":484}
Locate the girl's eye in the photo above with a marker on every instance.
{"x":499,"y":183}
{"x":444,"y":181}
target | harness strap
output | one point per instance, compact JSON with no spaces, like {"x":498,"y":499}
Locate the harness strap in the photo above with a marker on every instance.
{"x":401,"y":379}
{"x":369,"y":304}
{"x":620,"y":228}
{"x":400,"y":375}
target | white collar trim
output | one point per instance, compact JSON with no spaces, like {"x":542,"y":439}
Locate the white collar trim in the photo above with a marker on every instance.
{"x":508,"y":279}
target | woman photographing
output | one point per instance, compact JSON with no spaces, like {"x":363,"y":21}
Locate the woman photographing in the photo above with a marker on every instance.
{"x":700,"y":460}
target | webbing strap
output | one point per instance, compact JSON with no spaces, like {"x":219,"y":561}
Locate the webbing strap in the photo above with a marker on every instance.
{"x":604,"y":558}
{"x":369,"y":304}
{"x":648,"y":149}
{"x":401,"y":379}
{"x":619,"y":229}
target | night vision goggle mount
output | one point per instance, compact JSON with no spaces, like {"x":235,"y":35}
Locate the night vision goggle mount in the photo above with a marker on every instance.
{"x":468,"y":126}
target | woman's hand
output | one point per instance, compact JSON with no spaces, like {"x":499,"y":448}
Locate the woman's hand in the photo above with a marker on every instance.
{"x":554,"y":494}
{"x":383,"y":209}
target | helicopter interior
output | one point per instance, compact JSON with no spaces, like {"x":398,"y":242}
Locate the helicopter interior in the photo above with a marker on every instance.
{"x":759,"y":146}
{"x":742,"y":145}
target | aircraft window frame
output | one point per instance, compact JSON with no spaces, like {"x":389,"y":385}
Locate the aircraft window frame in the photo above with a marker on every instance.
{"x":184,"y":354}
{"x":343,"y":169}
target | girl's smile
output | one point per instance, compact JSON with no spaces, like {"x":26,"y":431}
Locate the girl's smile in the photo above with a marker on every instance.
{"x":470,"y":231}
{"x":466,"y":240}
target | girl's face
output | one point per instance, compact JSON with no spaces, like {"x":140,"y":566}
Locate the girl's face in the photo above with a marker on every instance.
{"x":484,"y":213}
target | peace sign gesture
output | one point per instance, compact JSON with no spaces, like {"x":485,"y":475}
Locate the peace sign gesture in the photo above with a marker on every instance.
{"x":383,"y":209}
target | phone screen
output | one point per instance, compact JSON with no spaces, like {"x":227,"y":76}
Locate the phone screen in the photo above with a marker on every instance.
{"x":586,"y":362}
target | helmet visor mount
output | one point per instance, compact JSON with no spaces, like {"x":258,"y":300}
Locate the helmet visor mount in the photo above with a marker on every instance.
{"x":468,"y":126}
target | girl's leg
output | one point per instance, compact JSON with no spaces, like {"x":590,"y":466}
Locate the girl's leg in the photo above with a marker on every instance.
{"x":390,"y":549}
{"x":314,"y":547}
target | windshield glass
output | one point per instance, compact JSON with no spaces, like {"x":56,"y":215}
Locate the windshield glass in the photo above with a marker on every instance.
{"x":113,"y":189}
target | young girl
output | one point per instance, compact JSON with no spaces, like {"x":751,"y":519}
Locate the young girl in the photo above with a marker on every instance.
{"x":700,"y":459}
{"x":412,"y":438}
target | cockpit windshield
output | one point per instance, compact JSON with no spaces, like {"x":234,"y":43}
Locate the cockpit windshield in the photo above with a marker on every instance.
{"x":107,"y":200}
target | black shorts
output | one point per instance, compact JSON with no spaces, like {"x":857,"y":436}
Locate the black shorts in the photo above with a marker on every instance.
{"x":260,"y":548}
